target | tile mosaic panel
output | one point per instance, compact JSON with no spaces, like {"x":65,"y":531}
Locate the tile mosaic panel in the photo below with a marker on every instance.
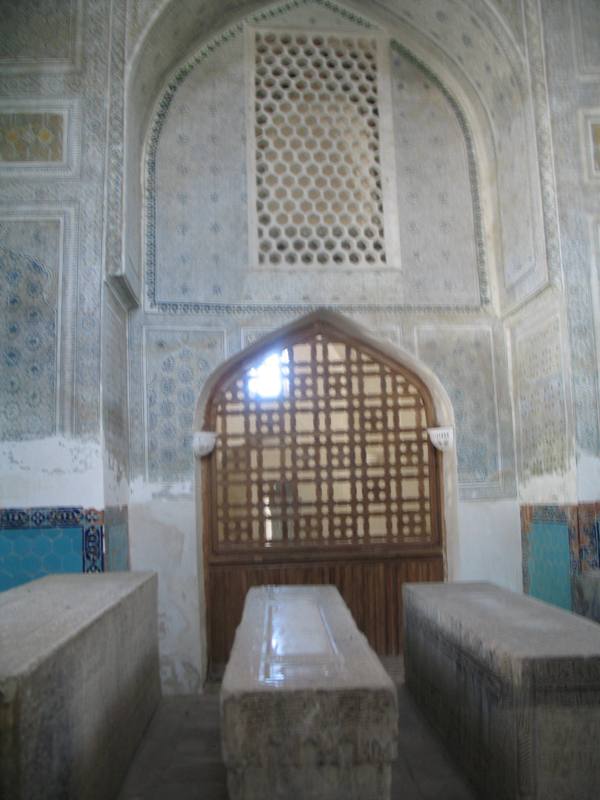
{"x":558,"y":542}
{"x":540,"y":398}
{"x":28,"y":554}
{"x":123,"y":268}
{"x":201,"y":212}
{"x":208,"y":275}
{"x":437,"y":190}
{"x":29,"y":297}
{"x":177,"y":362}
{"x":480,"y":43}
{"x":547,"y":265}
{"x":38,"y":33}
{"x":547,"y":555}
{"x":312,"y":15}
{"x":570,"y":99}
{"x":40,"y":137}
{"x":586,"y":25}
{"x":93,"y":93}
{"x":41,"y":541}
{"x":588,"y":523}
{"x":68,"y":33}
{"x":463,"y":360}
{"x":31,"y":137}
{"x":512,"y":11}
{"x":589,"y":122}
{"x":476,"y":38}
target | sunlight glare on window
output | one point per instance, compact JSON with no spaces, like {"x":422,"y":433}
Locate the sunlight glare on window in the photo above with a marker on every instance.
{"x":266,"y":380}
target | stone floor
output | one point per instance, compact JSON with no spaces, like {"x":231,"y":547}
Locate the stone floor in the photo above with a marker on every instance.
{"x":180,"y":756}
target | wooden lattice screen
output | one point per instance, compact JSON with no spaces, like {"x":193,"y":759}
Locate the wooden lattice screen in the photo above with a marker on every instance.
{"x":322,"y":473}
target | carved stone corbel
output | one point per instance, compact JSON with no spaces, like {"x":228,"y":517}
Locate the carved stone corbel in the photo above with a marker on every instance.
{"x":203,"y":443}
{"x":442,"y":438}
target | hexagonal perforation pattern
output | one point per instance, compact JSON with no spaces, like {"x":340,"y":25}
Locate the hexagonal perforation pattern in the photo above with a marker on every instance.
{"x":319,"y":199}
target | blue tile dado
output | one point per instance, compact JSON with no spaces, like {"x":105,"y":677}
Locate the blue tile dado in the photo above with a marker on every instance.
{"x":550,"y":552}
{"x":39,"y":541}
{"x":116,"y":539}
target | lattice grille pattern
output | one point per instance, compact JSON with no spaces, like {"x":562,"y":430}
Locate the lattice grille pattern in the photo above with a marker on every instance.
{"x":318,"y":179}
{"x":335,"y":451}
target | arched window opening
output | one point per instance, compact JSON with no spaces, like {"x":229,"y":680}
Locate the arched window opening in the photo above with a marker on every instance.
{"x":322,"y":472}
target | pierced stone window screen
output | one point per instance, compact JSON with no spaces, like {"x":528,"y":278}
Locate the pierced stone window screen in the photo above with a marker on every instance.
{"x":320,"y":195}
{"x":332,"y":452}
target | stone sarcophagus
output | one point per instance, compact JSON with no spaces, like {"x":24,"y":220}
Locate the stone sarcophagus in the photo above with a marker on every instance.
{"x":307,"y":710}
{"x":79,"y":683}
{"x":513,"y":686}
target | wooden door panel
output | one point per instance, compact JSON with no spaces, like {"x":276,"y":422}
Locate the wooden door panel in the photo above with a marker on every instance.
{"x":372,"y":590}
{"x":322,"y":474}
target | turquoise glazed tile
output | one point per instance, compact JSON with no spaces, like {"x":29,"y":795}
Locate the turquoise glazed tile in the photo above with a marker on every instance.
{"x":550,"y":552}
{"x":39,"y":541}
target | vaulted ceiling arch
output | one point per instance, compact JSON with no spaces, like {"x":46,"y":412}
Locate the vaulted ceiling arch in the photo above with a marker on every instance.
{"x":472,"y":52}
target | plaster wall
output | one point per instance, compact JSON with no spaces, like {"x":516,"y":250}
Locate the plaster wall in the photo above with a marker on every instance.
{"x":163,"y":538}
{"x":588,"y":478}
{"x":56,"y":471}
{"x":490,"y":543}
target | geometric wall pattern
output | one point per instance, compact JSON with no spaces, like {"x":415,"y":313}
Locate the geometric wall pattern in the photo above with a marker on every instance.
{"x":41,"y":541}
{"x":200,"y":254}
{"x":177,"y":364}
{"x":589,"y":125}
{"x":572,"y":42}
{"x":558,"y":543}
{"x":198,"y":214}
{"x":540,"y":397}
{"x":469,"y":359}
{"x":588,"y":524}
{"x":463,"y":360}
{"x":320,"y":441}
{"x":586,"y":23}
{"x":318,"y":188}
{"x":31,"y":137}
{"x":32,"y":35}
{"x":439,"y":213}
{"x":29,"y":292}
{"x":41,"y":42}
{"x":40,"y":137}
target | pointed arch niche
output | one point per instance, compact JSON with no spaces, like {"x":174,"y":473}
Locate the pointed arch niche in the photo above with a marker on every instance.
{"x":472,"y":69}
{"x":323,"y":473}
